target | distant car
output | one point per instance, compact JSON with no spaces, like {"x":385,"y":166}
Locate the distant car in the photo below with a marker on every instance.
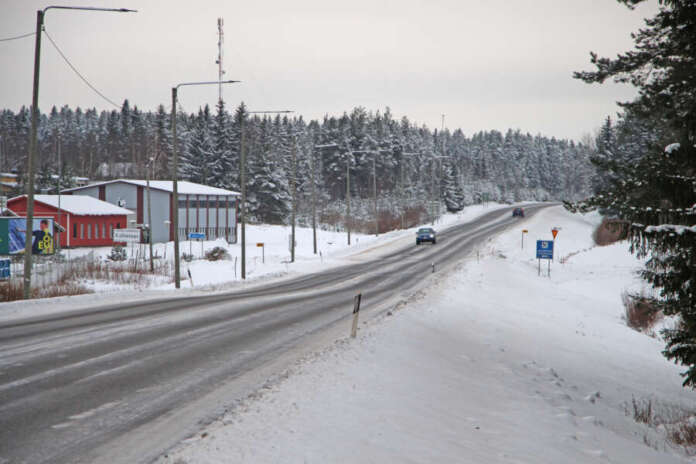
{"x":426,"y":234}
{"x":518,"y":212}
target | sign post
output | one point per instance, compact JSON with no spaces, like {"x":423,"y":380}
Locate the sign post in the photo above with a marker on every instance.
{"x":554,"y":232}
{"x":524,"y":231}
{"x":544,"y":250}
{"x":196,"y":236}
{"x":263,"y":252}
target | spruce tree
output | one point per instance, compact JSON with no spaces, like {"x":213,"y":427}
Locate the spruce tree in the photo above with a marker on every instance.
{"x":655,"y":192}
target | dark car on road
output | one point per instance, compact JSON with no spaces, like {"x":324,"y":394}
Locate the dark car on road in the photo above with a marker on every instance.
{"x":518,"y":212}
{"x":426,"y":234}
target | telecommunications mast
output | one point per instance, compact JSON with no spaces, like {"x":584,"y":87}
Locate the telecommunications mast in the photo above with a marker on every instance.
{"x":221,"y":72}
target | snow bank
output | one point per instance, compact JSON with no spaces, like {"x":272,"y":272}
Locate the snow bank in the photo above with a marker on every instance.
{"x":207,"y":276}
{"x":497,"y":364}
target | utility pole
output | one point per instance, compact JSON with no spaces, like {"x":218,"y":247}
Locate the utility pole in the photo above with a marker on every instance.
{"x":32,"y":158}
{"x":293,"y":188}
{"x":31,"y":161}
{"x":350,"y":156}
{"x":439,"y":178}
{"x":314,"y":202}
{"x":242,"y":179}
{"x":221,"y":72}
{"x":242,"y":186}
{"x":175,"y":175}
{"x":175,"y":193}
{"x":374,"y":191}
{"x":149,"y":211}
{"x":60,"y":176}
{"x":432,"y":189}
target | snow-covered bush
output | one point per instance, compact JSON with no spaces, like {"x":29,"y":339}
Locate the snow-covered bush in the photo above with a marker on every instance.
{"x":118,"y":253}
{"x":216,"y":254}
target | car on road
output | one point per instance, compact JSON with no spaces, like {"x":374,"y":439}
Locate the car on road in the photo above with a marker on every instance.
{"x":426,"y":234}
{"x":518,"y":212}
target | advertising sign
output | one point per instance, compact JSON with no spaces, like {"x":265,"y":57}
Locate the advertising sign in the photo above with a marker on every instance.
{"x":127,"y":235}
{"x":13,"y":235}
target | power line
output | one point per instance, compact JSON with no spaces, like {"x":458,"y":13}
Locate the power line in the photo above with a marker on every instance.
{"x":28,"y":34}
{"x":78,"y":72}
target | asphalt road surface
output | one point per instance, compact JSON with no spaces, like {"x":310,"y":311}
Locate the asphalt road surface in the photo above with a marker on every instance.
{"x":71,"y":384}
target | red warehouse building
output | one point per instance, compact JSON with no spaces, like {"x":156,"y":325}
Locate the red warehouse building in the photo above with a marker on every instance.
{"x":87,"y":221}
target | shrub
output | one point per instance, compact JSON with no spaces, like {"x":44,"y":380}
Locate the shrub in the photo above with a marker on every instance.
{"x":642,"y":411}
{"x":188,"y":257}
{"x":677,"y":421}
{"x":118,"y":253}
{"x":641,"y":313}
{"x":216,"y":254}
{"x":610,"y":231}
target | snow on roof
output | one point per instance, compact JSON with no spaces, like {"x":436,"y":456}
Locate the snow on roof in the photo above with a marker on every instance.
{"x":184,"y":187}
{"x":81,"y":205}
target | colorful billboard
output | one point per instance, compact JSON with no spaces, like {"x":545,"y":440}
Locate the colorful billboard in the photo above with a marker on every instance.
{"x":13,"y":235}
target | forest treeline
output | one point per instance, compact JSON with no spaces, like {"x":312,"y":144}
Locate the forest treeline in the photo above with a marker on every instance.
{"x":414,"y":165}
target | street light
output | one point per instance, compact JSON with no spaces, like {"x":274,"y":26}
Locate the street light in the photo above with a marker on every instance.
{"x":242,"y":182}
{"x":175,"y":174}
{"x":148,"y":166}
{"x":32,"y":138}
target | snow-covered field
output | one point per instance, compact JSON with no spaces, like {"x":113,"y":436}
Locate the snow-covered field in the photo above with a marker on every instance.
{"x":224,"y":275}
{"x":494,"y":364}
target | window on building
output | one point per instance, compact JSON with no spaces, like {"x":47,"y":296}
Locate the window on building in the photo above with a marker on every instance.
{"x":74,"y":230}
{"x":89,"y":231}
{"x":96,"y":231}
{"x":82,"y":231}
{"x":103,"y":229}
{"x":111,"y":231}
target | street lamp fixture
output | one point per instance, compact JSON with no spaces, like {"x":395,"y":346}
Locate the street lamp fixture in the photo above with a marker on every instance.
{"x":40,"y":14}
{"x":175,"y":174}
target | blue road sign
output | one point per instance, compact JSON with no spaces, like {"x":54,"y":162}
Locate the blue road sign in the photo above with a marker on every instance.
{"x":196,"y":236}
{"x":544,"y":249}
{"x":4,"y":269}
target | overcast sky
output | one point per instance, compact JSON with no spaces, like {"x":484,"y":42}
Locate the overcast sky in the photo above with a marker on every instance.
{"x":486,"y":64}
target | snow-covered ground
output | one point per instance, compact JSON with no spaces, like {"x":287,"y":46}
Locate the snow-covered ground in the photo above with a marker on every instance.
{"x":226,"y":274}
{"x":494,"y":364}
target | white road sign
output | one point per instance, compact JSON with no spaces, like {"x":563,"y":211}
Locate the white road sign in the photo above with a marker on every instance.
{"x":127,"y":235}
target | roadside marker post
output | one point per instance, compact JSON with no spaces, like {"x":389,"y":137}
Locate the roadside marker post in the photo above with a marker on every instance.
{"x":524,"y":231}
{"x":544,"y":250}
{"x":263,"y":252}
{"x":356,"y":311}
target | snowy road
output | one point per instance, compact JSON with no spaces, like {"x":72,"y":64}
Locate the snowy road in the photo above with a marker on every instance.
{"x":122,"y":383}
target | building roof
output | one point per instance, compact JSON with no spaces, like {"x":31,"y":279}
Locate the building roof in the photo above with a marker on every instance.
{"x":80,"y":205}
{"x":184,"y":187}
